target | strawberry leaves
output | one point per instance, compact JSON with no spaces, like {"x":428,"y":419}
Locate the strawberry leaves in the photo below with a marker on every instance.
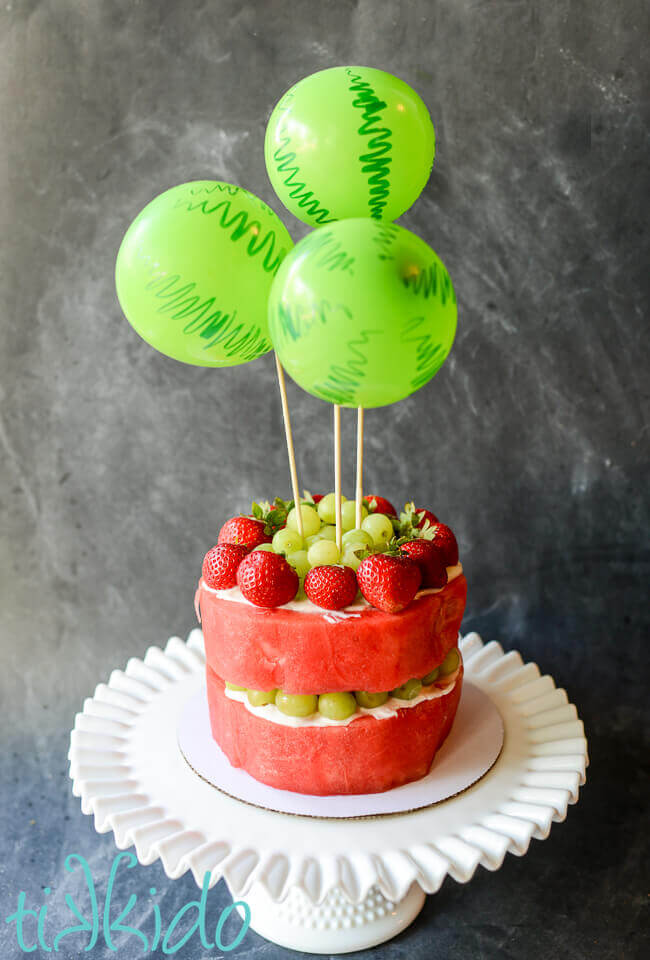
{"x":273,"y":516}
{"x":414,"y":523}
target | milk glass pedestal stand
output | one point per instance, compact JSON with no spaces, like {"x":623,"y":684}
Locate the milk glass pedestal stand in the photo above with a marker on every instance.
{"x":315,"y":884}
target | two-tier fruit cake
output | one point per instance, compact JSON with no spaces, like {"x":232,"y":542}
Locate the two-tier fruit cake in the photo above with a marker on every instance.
{"x":332,"y":671}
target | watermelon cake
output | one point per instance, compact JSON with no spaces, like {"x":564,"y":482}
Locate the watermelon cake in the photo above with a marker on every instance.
{"x":332,"y":670}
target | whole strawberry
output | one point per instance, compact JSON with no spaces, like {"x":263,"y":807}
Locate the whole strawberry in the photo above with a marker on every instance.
{"x":389,"y":582}
{"x":429,"y":559}
{"x":381,"y":505}
{"x":331,"y":587}
{"x":220,"y":565}
{"x":244,"y":530}
{"x":443,"y":538}
{"x":266,"y":579}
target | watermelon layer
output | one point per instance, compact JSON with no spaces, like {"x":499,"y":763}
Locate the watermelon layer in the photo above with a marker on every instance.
{"x":306,"y":653}
{"x":364,"y":756}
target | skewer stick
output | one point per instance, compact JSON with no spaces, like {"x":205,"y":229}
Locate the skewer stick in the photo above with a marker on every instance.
{"x":359,"y":490}
{"x":290,"y":451}
{"x":337,"y":475}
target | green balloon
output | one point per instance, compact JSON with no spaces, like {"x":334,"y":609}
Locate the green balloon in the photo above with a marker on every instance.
{"x":349,"y":142}
{"x":194,"y":271}
{"x":362,"y":313}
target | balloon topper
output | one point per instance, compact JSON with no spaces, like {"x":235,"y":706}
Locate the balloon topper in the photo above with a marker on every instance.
{"x":349,"y":142}
{"x":194,"y":271}
{"x":362,"y":313}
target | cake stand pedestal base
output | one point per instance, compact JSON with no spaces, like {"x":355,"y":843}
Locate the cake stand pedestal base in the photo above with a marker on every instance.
{"x":334,"y":926}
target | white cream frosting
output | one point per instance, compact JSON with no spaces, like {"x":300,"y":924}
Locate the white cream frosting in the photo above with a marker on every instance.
{"x":332,"y":616}
{"x":389,"y":709}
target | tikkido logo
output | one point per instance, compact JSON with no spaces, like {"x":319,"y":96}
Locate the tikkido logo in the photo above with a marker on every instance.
{"x":32,"y":924}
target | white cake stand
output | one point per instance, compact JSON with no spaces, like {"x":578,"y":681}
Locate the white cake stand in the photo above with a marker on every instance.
{"x":312,"y":884}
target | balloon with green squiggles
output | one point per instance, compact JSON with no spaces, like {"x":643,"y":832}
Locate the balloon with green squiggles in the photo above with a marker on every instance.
{"x":349,"y":142}
{"x":194,"y":271}
{"x":362,"y":313}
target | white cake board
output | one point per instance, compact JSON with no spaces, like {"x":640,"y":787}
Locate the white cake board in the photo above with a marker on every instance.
{"x":315,"y":884}
{"x":467,"y":754}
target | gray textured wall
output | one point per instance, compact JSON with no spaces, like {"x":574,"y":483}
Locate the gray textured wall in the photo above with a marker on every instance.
{"x":118,"y":465}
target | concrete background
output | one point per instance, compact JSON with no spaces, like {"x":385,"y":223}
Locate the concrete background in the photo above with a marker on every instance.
{"x":119,"y":465}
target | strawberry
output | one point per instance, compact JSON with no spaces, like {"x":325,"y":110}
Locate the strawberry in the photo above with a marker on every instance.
{"x":429,"y":559}
{"x":389,"y":582}
{"x":246,"y":531}
{"x":424,"y":516}
{"x":415,"y":521}
{"x":331,"y":587}
{"x":311,"y":497}
{"x":443,"y":538}
{"x":381,"y":505}
{"x":220,"y":565}
{"x":266,"y":579}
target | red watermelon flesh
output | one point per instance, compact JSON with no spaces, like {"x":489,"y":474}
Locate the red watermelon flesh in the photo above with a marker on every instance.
{"x":306,"y":653}
{"x":364,"y":756}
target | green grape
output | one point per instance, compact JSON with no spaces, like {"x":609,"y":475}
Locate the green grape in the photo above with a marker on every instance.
{"x":349,"y":557}
{"x":233,"y":686}
{"x":310,"y":519}
{"x":357,"y":536}
{"x":300,"y":563}
{"x":327,"y":507}
{"x":450,"y":663}
{"x":265,"y":546}
{"x":296,"y":704}
{"x":370,"y":699}
{"x":408,"y":690}
{"x":379,"y":527}
{"x":337,"y":706}
{"x":349,"y":515}
{"x":327,"y":532}
{"x":287,"y":541}
{"x":430,"y":677}
{"x":259,"y":698}
{"x":323,"y":553}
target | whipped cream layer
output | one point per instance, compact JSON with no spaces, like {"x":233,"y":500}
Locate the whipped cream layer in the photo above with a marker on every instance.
{"x":304,"y":605}
{"x":389,"y":709}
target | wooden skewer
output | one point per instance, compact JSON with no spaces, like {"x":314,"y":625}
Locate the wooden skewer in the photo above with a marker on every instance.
{"x":359,"y":490}
{"x":290,"y":451}
{"x":337,"y":475}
